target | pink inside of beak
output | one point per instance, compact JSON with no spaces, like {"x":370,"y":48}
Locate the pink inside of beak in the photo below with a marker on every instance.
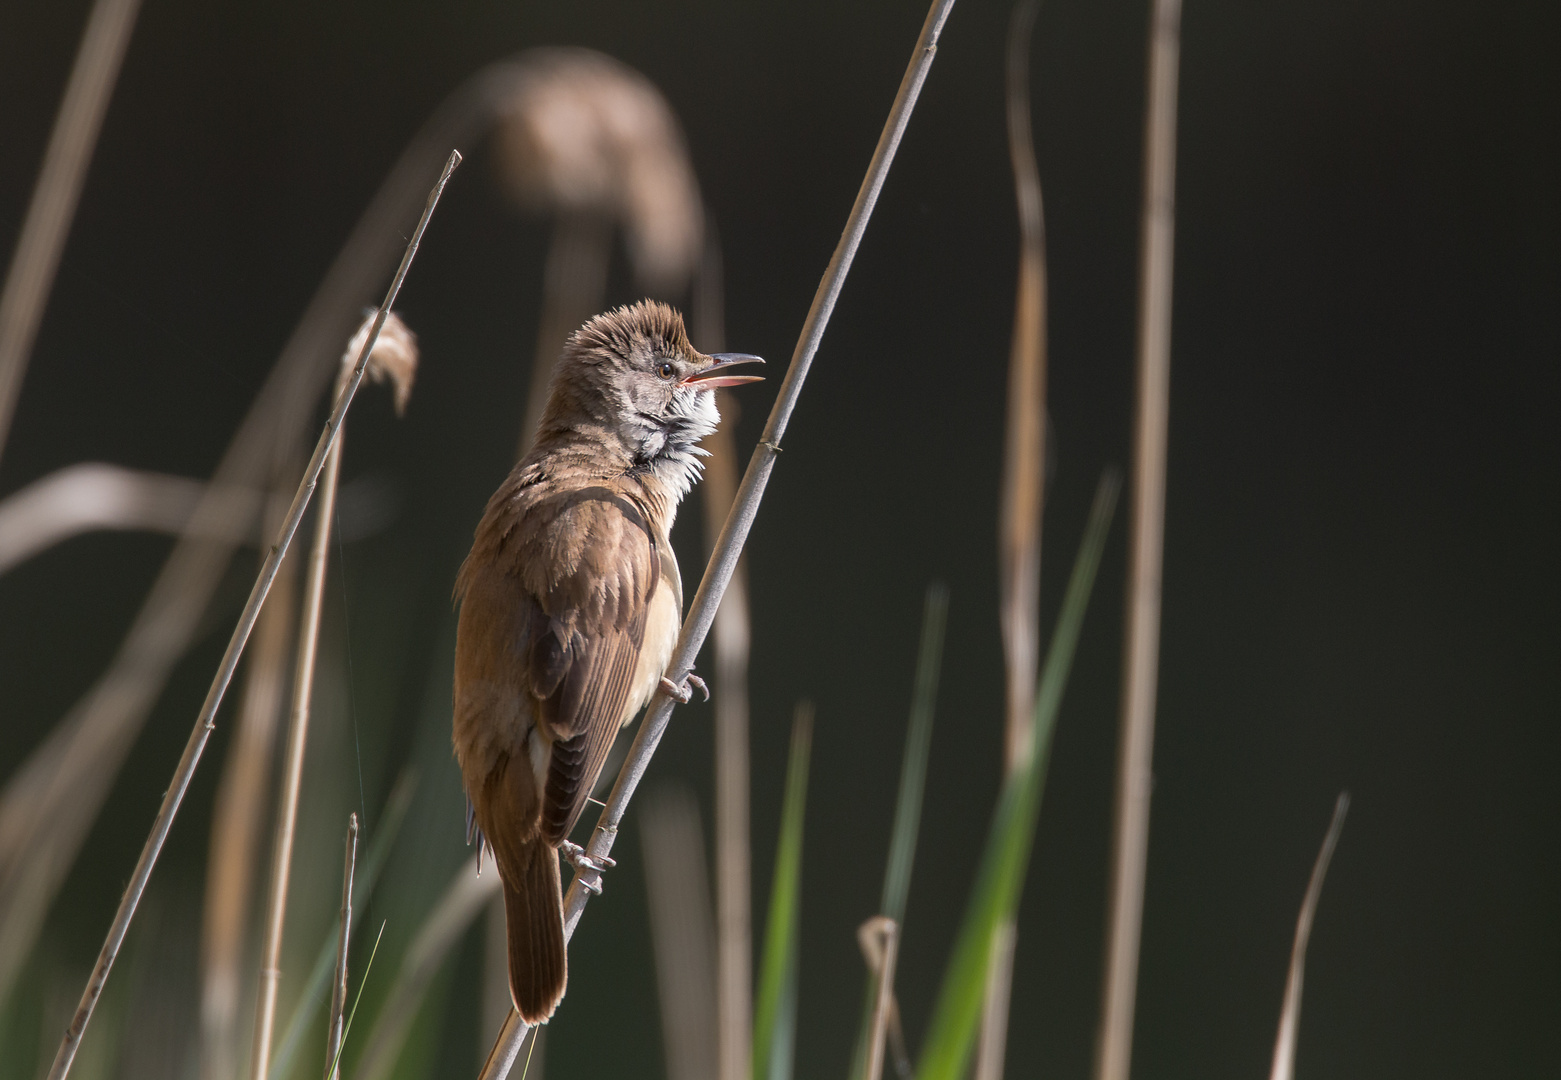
{"x":715,"y":382}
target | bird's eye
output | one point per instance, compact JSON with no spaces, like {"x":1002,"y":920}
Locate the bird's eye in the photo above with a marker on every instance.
{"x":666,"y":369}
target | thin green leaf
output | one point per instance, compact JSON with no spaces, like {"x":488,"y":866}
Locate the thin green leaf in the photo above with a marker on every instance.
{"x":347,"y":1030}
{"x":913,"y":782}
{"x":951,"y":1035}
{"x":775,"y":1011}
{"x":313,"y":998}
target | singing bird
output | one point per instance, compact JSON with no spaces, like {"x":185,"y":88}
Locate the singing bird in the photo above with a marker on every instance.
{"x":570,"y":605}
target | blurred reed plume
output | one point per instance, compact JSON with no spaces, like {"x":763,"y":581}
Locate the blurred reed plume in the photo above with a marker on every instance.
{"x":1283,"y":1067}
{"x":1023,"y":490}
{"x":392,"y":359}
{"x":1146,"y":543}
{"x":731,"y":634}
{"x":30,"y":277}
{"x":593,"y":141}
{"x":682,"y":932}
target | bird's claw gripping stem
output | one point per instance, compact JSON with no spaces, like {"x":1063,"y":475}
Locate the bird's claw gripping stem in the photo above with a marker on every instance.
{"x":575,"y":855}
{"x":683,"y":694}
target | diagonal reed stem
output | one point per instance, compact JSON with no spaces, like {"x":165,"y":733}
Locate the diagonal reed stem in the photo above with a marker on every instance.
{"x":205,"y":721}
{"x":333,"y":1026}
{"x":1146,"y":539}
{"x":723,"y":562}
{"x":38,"y":249}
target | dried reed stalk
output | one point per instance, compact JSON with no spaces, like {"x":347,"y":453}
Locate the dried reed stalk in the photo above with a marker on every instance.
{"x":50,"y":802}
{"x":879,"y":937}
{"x":1290,"y":1013}
{"x":37,"y":256}
{"x":236,"y":826}
{"x":731,"y":637}
{"x":206,"y":719}
{"x":723,"y":562}
{"x":682,"y":932}
{"x":335,"y":1022}
{"x":1130,"y":847}
{"x":1023,"y":493}
{"x":391,"y":357}
{"x":93,"y":495}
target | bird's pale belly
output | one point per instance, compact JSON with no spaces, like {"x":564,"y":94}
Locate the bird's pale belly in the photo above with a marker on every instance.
{"x":663,"y":620}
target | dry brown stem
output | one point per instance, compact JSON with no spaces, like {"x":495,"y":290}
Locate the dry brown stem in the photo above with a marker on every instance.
{"x":1146,"y":535}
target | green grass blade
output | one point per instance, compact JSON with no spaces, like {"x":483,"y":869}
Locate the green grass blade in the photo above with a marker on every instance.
{"x":775,"y":1009}
{"x":913,"y":782}
{"x":913,"y":767}
{"x":955,"y":1018}
{"x":313,"y":998}
{"x":352,"y":1015}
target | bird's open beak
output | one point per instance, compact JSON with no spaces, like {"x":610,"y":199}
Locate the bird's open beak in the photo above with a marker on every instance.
{"x":716,"y":375}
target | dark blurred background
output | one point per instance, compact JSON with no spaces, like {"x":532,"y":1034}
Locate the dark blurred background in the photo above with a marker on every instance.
{"x":1365,"y":475}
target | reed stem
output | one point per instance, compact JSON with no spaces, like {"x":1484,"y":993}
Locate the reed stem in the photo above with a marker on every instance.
{"x":333,"y":1028}
{"x":1146,"y":532}
{"x":205,"y":721}
{"x":723,"y":562}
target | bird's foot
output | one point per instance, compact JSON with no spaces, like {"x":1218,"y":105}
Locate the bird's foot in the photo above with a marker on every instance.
{"x":683,"y":694}
{"x":575,"y":855}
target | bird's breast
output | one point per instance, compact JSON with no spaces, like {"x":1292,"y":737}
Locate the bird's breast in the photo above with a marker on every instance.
{"x":663,"y":620}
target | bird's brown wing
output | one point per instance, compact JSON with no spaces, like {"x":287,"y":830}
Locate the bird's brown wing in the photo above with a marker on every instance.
{"x":604,"y":567}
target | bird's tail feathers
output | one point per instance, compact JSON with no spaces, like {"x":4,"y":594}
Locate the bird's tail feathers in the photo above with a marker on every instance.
{"x":534,"y":920}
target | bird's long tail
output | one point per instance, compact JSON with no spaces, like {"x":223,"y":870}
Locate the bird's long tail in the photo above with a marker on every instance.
{"x":534,"y":919}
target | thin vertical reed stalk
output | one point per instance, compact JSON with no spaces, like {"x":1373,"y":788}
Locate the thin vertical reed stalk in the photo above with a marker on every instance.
{"x":1146,"y":537}
{"x":1290,"y":1013}
{"x":237,"y":829}
{"x":335,"y":1021}
{"x":205,"y":721}
{"x":731,"y":637}
{"x":880,"y":940}
{"x":1024,"y":483}
{"x":390,"y":819}
{"x":37,"y":256}
{"x":723,"y":562}
{"x":390,"y":332}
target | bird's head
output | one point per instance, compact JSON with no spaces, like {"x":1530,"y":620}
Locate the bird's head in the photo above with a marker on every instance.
{"x":632,"y":372}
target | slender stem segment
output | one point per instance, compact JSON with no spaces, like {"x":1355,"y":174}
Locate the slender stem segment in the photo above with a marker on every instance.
{"x":884,"y":948}
{"x":205,"y":721}
{"x":1145,"y":549}
{"x":333,"y":1030}
{"x":1290,"y":1013}
{"x":728,"y":549}
{"x":293,"y":762}
{"x":53,"y":205}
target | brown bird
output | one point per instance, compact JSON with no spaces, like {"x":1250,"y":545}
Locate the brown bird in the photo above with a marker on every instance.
{"x":571,"y":605}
